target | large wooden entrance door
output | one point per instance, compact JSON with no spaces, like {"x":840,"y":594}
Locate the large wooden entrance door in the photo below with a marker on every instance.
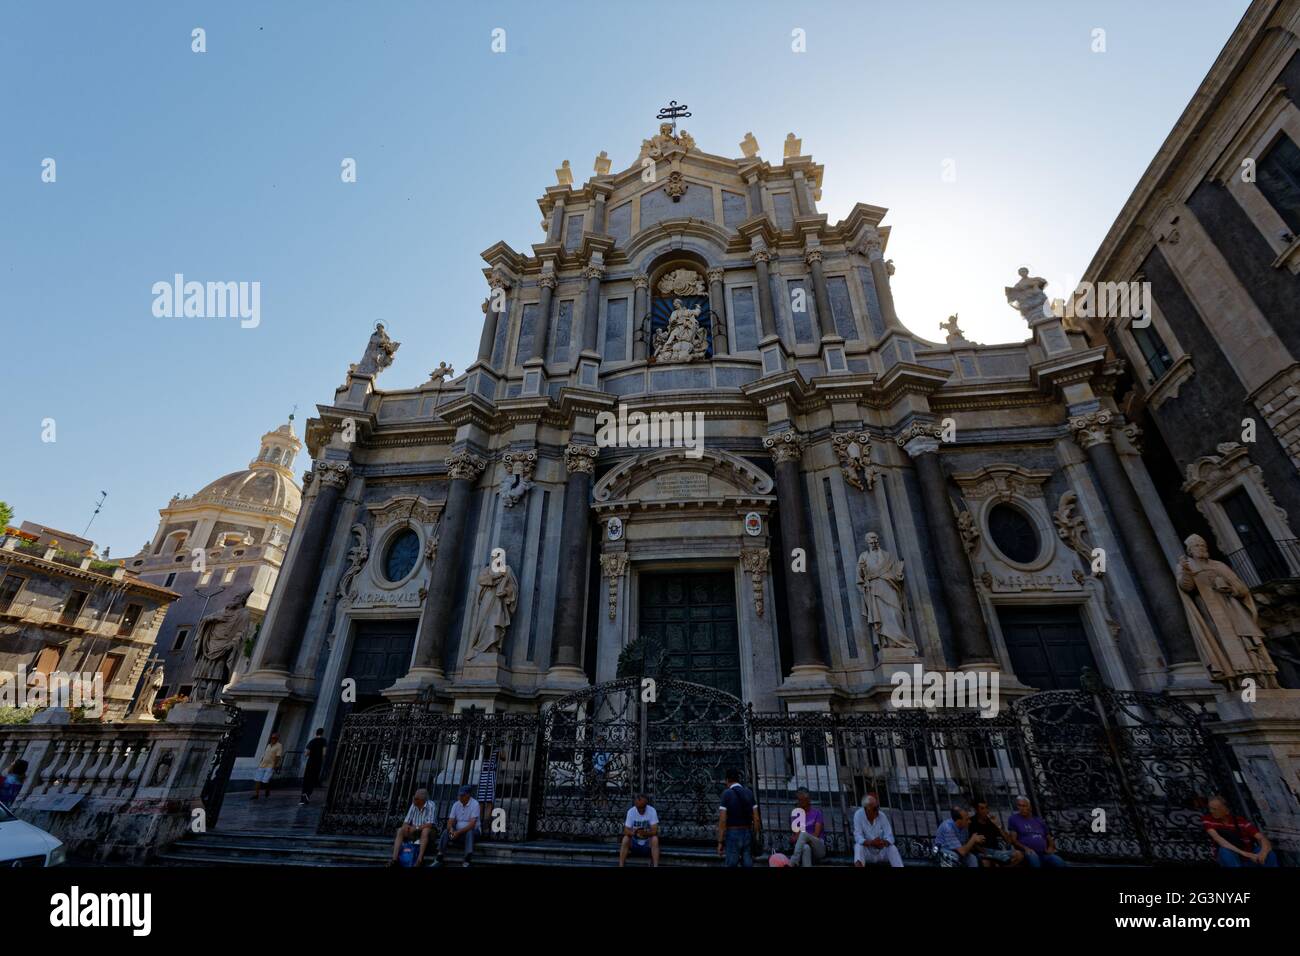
{"x":1048,"y":646}
{"x":692,"y":616}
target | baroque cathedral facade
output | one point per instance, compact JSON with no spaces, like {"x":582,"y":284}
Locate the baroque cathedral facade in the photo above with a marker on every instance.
{"x":857,"y":499}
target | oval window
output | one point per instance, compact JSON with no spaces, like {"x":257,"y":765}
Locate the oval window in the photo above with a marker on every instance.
{"x":1013,"y":533}
{"x":403,"y":551}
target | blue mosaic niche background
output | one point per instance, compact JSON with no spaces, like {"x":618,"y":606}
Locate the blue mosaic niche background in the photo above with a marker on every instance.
{"x":661,"y":307}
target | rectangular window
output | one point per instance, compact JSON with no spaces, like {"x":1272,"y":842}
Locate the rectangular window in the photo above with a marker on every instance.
{"x":171,"y":579}
{"x":562,"y":333}
{"x":9,"y":590}
{"x":1153,"y":350}
{"x":800,"y":300}
{"x":1257,"y":543}
{"x":108,"y":667}
{"x":1278,"y":178}
{"x":229,"y":575}
{"x":72,"y":608}
{"x":735,"y":209}
{"x":527,"y":329}
{"x":619,"y":225}
{"x":130,"y":617}
{"x":842,"y":307}
{"x":181,"y":635}
{"x":46,"y":661}
{"x":783,"y":208}
{"x":573,"y":232}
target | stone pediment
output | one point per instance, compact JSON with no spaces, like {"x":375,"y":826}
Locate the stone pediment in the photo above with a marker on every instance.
{"x":671,"y":475}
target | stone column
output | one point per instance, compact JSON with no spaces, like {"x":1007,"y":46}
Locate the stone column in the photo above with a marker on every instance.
{"x":547,"y":282}
{"x":767,"y":317}
{"x":873,"y":249}
{"x":298,"y":588}
{"x":718,"y":304}
{"x":1154,"y":577}
{"x":463,"y":470}
{"x":971,"y":636}
{"x":591,"y":306}
{"x":598,"y":216}
{"x":557,"y":222}
{"x":802,"y":603}
{"x":640,"y":307}
{"x":825,"y":320}
{"x":488,"y":336}
{"x":571,"y":597}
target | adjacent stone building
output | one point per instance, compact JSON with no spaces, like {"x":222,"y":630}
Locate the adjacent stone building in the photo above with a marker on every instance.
{"x":229,"y":537}
{"x":1212,"y":232}
{"x":497,"y":539}
{"x":65,"y":611}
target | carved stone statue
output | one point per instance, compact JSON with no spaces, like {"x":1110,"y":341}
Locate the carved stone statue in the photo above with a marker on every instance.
{"x":1225,"y":620}
{"x":683,"y":339}
{"x":379,"y":353}
{"x":657,"y":146}
{"x":880,"y":579}
{"x":498,"y":596}
{"x":681,"y":282}
{"x":442,"y":372}
{"x":955,"y":335}
{"x":357,"y":555}
{"x":152,"y":683}
{"x":221,"y":637}
{"x":1027,"y":296}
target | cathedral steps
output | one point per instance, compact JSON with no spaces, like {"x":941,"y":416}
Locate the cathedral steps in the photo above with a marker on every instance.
{"x":276,"y":848}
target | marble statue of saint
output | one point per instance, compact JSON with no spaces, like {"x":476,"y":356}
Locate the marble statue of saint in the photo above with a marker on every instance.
{"x":880,"y":579}
{"x":1027,"y":296}
{"x":683,"y":339}
{"x":498,"y":596}
{"x":379,"y":352}
{"x":1224,"y":619}
{"x":221,"y":638}
{"x":152,"y":683}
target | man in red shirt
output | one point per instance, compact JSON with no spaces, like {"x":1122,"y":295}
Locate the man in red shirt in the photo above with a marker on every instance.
{"x":1238,"y":841}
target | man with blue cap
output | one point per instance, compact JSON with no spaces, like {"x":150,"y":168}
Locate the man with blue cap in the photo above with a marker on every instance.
{"x":462,"y":824}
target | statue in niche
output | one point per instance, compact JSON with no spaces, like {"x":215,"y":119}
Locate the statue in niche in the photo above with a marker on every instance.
{"x":880,"y":579}
{"x":683,"y":339}
{"x":1224,"y":619}
{"x":498,"y":596}
{"x":379,"y":353}
{"x":221,"y":638}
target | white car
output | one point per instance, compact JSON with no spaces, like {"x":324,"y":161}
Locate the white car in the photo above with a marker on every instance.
{"x":22,"y":844}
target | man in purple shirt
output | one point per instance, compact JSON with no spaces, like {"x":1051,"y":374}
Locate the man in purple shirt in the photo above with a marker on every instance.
{"x":1030,"y":834}
{"x":807,"y":823}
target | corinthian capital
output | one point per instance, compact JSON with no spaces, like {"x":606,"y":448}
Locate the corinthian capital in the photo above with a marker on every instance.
{"x":465,"y":465}
{"x":547,"y":281}
{"x":332,"y":474}
{"x":640,"y":281}
{"x":786,"y":446}
{"x":1091,"y":429}
{"x":716,"y":273}
{"x":871,"y":246}
{"x":580,"y":458}
{"x":498,"y":279}
{"x":812,"y":256}
{"x":761,"y":255}
{"x":919,"y":438}
{"x":592,"y":272}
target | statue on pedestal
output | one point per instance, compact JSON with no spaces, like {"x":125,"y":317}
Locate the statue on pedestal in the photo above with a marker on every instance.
{"x":1027,"y":296}
{"x":221,"y":638}
{"x":880,"y":579}
{"x":379,"y":353}
{"x":1224,"y":619}
{"x":498,"y":596}
{"x":152,"y":683}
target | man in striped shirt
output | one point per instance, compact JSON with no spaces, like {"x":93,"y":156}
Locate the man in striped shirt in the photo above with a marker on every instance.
{"x":419,"y":823}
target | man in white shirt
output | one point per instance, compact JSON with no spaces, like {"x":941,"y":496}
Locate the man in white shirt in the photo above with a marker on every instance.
{"x":462,"y":824}
{"x":640,"y":832}
{"x":873,"y":836}
{"x":419,"y":823}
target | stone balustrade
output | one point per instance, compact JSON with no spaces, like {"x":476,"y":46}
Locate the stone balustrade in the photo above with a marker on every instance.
{"x":115,"y":790}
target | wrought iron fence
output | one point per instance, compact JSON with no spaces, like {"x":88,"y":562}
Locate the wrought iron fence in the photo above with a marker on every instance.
{"x":1117,"y":776}
{"x":387,"y":753}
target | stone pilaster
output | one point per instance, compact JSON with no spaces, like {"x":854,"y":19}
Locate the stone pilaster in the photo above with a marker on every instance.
{"x":1153,"y":575}
{"x":591,"y":307}
{"x":302,"y":578}
{"x":874,"y":250}
{"x":825,"y":319}
{"x":971,"y":636}
{"x":640,"y":308}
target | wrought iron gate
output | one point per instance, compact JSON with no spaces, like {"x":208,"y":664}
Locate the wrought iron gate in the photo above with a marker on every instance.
{"x":388,"y":752}
{"x":213,"y":794}
{"x":670,"y":739}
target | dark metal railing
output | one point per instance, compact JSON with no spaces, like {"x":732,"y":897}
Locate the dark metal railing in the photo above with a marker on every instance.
{"x":1266,"y":561}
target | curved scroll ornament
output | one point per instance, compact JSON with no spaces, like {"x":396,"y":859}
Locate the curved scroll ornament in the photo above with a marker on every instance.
{"x":357,"y":556}
{"x":853,"y":450}
{"x":580,"y":458}
{"x":519,"y":476}
{"x":754,"y":560}
{"x":333,"y":474}
{"x":613,"y":566}
{"x":465,"y":465}
{"x":1070,"y":526}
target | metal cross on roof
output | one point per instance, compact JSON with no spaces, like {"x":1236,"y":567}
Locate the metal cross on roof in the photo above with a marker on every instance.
{"x":673,"y":112}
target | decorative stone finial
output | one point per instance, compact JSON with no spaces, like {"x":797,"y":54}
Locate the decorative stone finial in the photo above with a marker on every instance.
{"x":749,"y":146}
{"x":793,"y":146}
{"x":602,"y":164}
{"x":564,"y":175}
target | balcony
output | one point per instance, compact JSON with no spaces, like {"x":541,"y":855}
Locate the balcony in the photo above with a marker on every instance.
{"x":1266,"y":562}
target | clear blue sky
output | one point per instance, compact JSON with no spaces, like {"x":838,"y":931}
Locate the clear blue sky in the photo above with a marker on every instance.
{"x":225,"y":166}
